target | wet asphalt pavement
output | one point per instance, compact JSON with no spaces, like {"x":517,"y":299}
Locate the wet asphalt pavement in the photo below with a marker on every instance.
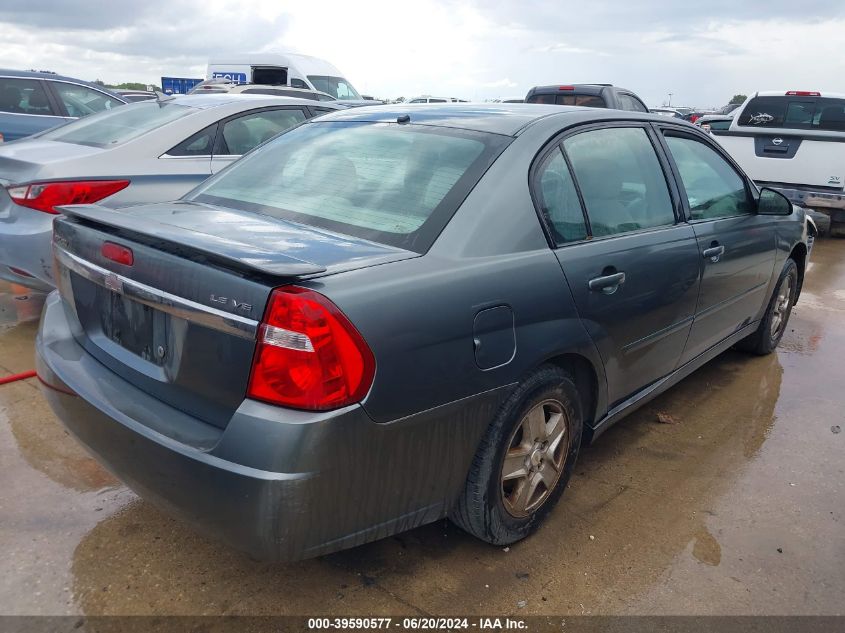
{"x":736,"y":508}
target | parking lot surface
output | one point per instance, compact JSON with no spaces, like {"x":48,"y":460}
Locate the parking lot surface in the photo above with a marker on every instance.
{"x":735,"y":507}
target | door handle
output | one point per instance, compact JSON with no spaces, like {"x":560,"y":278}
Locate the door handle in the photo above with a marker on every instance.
{"x":714,"y":252}
{"x":608,"y":283}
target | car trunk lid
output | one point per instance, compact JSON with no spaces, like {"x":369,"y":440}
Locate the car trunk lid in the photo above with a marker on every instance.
{"x":25,"y":161}
{"x":180,"y":322}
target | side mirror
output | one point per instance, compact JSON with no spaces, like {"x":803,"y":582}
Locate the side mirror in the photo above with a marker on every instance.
{"x":773,"y":202}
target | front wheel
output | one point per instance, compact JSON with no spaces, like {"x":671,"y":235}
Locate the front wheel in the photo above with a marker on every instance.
{"x":524,"y":461}
{"x":767,"y":336}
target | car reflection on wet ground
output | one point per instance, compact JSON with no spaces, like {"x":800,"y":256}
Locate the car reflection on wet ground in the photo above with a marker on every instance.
{"x":734,"y":507}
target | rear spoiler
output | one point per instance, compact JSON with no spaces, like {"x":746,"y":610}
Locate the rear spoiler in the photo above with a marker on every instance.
{"x":230,"y":253}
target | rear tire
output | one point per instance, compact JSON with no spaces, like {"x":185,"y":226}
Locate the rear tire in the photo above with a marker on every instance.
{"x":524,"y":461}
{"x":768,"y":334}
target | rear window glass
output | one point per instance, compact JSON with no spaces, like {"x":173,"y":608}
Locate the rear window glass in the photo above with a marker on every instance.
{"x":389,"y":183}
{"x":803,"y":113}
{"x":115,"y":127}
{"x":570,"y":99}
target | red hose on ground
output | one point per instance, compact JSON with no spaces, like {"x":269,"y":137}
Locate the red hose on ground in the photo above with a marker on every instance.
{"x":15,"y":377}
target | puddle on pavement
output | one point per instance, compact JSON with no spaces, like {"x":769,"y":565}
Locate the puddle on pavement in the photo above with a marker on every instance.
{"x":658,"y":518}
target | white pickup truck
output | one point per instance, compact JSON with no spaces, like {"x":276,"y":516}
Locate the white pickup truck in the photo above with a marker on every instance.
{"x":794,"y":141}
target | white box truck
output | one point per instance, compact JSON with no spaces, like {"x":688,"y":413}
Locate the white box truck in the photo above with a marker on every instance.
{"x":286,"y":69}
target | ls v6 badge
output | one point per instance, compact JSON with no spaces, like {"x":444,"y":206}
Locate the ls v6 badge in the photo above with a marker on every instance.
{"x":237,"y":306}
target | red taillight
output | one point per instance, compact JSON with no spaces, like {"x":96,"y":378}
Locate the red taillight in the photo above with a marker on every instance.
{"x":309,"y":355}
{"x":118,"y":253}
{"x":803,"y":93}
{"x":566,"y":88}
{"x":46,"y":196}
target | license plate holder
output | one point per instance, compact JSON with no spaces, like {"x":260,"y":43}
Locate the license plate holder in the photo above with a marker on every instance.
{"x":136,"y":327}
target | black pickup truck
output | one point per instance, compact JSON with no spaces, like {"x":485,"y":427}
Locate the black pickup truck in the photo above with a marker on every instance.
{"x":589,"y":95}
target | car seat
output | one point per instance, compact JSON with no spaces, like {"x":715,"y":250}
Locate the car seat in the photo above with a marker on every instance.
{"x":601,"y":185}
{"x":238,"y":137}
{"x":38,"y":102}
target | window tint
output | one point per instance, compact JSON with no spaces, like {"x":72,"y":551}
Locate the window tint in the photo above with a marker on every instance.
{"x":713,"y":188}
{"x":200,"y":144}
{"x":559,"y":199}
{"x":392,"y":184}
{"x":718,"y":125}
{"x":805,"y":113}
{"x":114,"y":127}
{"x":81,"y":101}
{"x":587,"y":101}
{"x":242,"y":134}
{"x":621,"y":180}
{"x":630,"y":102}
{"x":24,"y":96}
{"x":337,"y":87}
{"x":541,"y":98}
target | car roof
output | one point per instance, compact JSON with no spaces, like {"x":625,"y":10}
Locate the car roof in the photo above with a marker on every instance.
{"x":35,"y":74}
{"x":496,"y":118}
{"x":217,"y":99}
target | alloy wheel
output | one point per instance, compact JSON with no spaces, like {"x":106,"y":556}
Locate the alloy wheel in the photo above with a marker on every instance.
{"x":535,"y":458}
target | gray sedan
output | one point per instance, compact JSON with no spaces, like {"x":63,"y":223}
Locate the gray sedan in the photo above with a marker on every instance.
{"x":387,"y":316}
{"x":144,"y":152}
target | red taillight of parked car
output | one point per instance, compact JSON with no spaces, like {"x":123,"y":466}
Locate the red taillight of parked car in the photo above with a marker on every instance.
{"x":118,"y":253}
{"x":46,"y":196}
{"x":309,"y":355}
{"x":803,"y":93}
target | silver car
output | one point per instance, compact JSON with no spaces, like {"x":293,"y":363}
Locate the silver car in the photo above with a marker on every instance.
{"x":150,"y":151}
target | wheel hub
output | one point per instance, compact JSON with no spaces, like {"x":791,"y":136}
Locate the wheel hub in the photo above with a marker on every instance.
{"x":535,"y":458}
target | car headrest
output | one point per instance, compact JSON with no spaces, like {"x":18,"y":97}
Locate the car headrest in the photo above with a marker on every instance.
{"x":600,"y":179}
{"x":38,"y":99}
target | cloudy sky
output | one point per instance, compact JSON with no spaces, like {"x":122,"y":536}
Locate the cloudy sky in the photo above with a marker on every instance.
{"x":702,"y":52}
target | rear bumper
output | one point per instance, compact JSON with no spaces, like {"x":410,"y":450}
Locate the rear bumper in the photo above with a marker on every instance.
{"x":25,"y":246}
{"x":810,"y":197}
{"x":276,"y":483}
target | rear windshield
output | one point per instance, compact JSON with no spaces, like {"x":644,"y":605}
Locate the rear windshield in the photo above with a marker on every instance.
{"x":389,"y":183}
{"x":570,"y":98}
{"x":115,"y":127}
{"x":802,"y":113}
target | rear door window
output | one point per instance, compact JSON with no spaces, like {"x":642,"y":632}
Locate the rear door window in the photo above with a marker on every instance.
{"x":242,"y":134}
{"x":631,"y":103}
{"x":558,"y":199}
{"x":713,"y":188}
{"x":199,"y":144}
{"x":803,"y":113}
{"x":24,"y":96}
{"x":80,"y":101}
{"x":621,"y":180}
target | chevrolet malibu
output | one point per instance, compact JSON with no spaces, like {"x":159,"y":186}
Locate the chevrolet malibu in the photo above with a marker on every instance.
{"x":387,"y":316}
